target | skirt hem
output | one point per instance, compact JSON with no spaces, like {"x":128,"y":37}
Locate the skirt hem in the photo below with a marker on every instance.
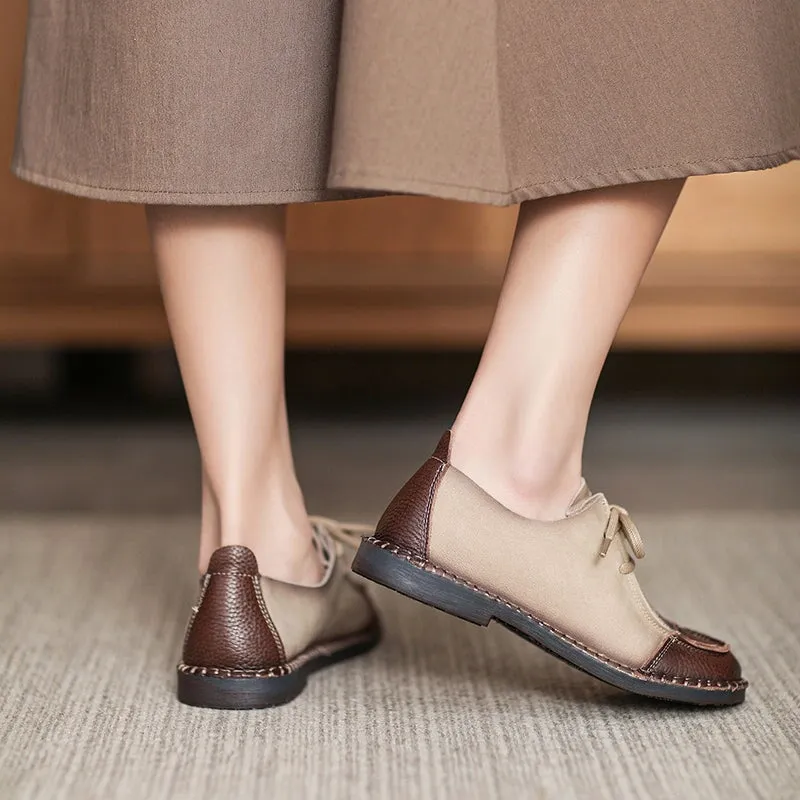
{"x":172,"y":197}
{"x":363,"y":178}
{"x":354,"y":183}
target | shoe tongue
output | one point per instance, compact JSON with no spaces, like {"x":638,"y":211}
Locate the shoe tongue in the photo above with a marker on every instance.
{"x":578,"y":501}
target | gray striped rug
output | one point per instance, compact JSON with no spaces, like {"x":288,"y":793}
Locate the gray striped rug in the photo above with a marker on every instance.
{"x":92,"y":613}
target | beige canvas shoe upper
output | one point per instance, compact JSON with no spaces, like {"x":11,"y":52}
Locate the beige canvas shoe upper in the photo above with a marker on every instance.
{"x":556,"y":568}
{"x":335,"y":608}
{"x":568,"y":585}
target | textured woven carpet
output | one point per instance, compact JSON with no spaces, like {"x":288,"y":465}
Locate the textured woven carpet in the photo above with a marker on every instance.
{"x":92,"y":613}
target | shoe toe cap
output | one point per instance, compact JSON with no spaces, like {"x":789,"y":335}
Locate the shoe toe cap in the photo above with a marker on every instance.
{"x":695,"y":658}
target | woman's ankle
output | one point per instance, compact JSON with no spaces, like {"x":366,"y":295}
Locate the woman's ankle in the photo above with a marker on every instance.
{"x":285,"y":553}
{"x":530,"y":478}
{"x":278,"y":532}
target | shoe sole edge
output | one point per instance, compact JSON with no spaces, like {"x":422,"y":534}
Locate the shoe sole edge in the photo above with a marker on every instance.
{"x":248,"y":692}
{"x":376,"y":562}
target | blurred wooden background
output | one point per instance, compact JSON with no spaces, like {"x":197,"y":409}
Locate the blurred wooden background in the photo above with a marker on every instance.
{"x":395,"y":272}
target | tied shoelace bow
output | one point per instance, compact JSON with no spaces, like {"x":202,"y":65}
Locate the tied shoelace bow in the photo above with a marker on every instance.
{"x":349,"y":534}
{"x":619,"y":520}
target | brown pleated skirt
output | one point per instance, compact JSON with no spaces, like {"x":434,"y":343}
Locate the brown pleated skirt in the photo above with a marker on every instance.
{"x":499,"y":101}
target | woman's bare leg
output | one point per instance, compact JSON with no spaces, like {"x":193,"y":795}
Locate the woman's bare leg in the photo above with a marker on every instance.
{"x":222,"y":273}
{"x":574,"y":266}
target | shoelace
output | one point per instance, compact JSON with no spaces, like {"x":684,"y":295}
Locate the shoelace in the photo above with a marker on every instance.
{"x":349,"y":534}
{"x":620,"y":520}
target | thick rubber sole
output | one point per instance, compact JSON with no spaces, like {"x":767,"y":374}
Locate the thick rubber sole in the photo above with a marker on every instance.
{"x":243,"y":692}
{"x":396,"y":572}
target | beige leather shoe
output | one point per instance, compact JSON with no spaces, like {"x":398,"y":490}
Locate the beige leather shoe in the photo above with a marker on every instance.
{"x":252,"y":641}
{"x":567,"y":586}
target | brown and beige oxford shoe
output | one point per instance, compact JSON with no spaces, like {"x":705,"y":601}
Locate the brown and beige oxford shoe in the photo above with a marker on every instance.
{"x":568,"y":586}
{"x":253,"y":641}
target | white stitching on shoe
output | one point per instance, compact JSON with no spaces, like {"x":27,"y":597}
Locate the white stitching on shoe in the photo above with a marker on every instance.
{"x":196,"y":609}
{"x":267,"y":618}
{"x":433,"y":491}
{"x":326,"y":648}
{"x":657,"y":660}
{"x":428,"y":567}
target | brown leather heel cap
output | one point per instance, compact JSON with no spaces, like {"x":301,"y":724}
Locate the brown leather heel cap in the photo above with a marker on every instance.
{"x":406,"y":521}
{"x":232,"y":628}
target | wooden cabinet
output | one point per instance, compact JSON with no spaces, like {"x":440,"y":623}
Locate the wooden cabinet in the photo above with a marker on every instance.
{"x":395,"y":272}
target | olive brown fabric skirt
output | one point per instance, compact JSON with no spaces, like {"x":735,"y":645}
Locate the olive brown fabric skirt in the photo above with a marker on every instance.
{"x":232,"y":101}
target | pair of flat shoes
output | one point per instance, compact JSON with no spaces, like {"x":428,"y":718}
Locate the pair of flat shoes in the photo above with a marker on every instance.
{"x":567,"y":586}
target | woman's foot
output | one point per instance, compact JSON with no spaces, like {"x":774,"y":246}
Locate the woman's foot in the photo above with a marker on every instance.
{"x":252,"y":641}
{"x":566,"y":585}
